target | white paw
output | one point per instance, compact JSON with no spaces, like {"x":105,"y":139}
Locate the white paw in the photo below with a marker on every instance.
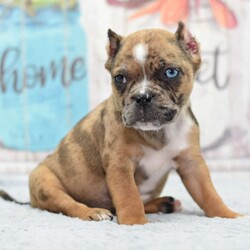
{"x":99,"y":214}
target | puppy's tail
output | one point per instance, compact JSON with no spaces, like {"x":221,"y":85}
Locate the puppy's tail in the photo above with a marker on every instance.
{"x":7,"y":197}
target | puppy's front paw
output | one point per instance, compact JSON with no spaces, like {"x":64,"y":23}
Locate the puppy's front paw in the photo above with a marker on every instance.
{"x":98,"y":214}
{"x":133,"y":221}
{"x":232,"y":215}
{"x":224,"y":214}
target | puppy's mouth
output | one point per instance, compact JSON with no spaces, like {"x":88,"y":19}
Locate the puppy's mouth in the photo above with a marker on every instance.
{"x":149,"y":121}
{"x":147,"y":126}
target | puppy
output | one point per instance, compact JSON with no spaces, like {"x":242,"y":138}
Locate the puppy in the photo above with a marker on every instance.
{"x":117,"y":159}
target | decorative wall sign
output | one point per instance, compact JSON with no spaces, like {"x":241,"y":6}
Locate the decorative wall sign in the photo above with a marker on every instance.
{"x":45,"y":84}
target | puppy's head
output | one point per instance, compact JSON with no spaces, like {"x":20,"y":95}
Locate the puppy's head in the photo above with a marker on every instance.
{"x":152,"y":75}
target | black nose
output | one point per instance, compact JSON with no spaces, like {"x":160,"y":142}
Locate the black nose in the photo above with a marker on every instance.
{"x":143,"y":99}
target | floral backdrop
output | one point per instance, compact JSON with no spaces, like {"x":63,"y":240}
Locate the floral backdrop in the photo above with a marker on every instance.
{"x":70,"y":49}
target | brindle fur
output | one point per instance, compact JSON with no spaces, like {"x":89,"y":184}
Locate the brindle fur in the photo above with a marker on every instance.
{"x":95,"y":170}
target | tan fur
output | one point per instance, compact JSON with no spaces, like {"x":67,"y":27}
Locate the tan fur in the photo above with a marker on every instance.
{"x":95,"y":168}
{"x":196,"y":178}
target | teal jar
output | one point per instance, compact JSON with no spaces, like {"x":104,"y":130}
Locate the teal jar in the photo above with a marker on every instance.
{"x":43,"y":77}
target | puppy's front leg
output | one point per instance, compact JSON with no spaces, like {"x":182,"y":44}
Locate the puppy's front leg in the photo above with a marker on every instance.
{"x":196,"y":178}
{"x":125,"y":195}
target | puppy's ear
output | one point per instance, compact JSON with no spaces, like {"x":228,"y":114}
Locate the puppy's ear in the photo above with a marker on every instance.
{"x":114,"y":43}
{"x":189,"y":44}
{"x":112,"y":48}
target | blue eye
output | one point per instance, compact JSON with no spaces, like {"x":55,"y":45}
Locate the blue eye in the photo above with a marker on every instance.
{"x":171,"y":73}
{"x":120,"y":79}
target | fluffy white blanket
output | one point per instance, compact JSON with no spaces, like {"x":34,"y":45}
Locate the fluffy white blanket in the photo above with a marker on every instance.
{"x":22,"y":227}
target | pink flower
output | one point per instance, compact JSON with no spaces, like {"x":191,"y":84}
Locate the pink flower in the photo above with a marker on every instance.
{"x":222,"y":14}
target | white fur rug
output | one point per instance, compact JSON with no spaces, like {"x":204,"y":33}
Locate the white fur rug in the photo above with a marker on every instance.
{"x":22,"y":227}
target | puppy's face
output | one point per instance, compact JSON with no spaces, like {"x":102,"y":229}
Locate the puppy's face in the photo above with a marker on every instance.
{"x":152,"y":75}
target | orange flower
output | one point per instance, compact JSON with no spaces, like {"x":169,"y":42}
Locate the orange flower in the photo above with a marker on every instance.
{"x":172,"y":11}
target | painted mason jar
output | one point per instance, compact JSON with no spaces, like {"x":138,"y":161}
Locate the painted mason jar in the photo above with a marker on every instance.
{"x":43,"y":75}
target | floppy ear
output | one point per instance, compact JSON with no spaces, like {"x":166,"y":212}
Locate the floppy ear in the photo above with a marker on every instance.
{"x":189,"y":44}
{"x":114,"y":43}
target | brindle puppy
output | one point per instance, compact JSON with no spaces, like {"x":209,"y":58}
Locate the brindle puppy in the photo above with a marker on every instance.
{"x":118,"y":157}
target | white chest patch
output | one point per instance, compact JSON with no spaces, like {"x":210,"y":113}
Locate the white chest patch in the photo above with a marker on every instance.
{"x":156,"y":163}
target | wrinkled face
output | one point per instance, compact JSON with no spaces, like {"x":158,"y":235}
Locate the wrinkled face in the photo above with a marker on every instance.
{"x":152,"y":76}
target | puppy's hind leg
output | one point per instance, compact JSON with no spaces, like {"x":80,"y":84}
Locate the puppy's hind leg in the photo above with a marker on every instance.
{"x":47,"y":193}
{"x":163,"y":205}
